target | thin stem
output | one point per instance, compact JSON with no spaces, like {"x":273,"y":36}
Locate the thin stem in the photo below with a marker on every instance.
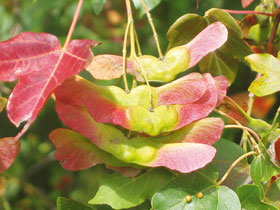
{"x":249,"y":12}
{"x":134,"y":83}
{"x":248,"y":129}
{"x":228,"y":116}
{"x":233,"y":165}
{"x":267,"y":187}
{"x":73,"y":24}
{"x":273,"y":33}
{"x":129,"y":23}
{"x":132,"y":42}
{"x":244,"y":137}
{"x":250,"y":103}
{"x":153,"y":28}
{"x":238,"y":123}
{"x":139,"y":52}
{"x":275,"y":117}
{"x":143,"y":72}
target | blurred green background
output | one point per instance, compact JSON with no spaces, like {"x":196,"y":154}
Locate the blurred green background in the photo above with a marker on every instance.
{"x":36,"y":179}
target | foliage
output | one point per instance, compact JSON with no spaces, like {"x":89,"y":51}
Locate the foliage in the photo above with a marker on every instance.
{"x":145,"y":131}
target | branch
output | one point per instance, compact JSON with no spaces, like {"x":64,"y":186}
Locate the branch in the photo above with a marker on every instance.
{"x":73,"y":24}
{"x":233,"y":165}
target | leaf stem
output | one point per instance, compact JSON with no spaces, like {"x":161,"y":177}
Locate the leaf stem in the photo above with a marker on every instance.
{"x":273,"y":33}
{"x":153,"y":28}
{"x":250,"y":12}
{"x":275,"y":118}
{"x":233,"y":165}
{"x":233,"y":119}
{"x":73,"y":24}
{"x":132,"y":41}
{"x":129,"y":23}
{"x":139,"y":52}
{"x":249,"y":111}
{"x":143,"y":72}
{"x":267,"y":187}
{"x":248,"y":129}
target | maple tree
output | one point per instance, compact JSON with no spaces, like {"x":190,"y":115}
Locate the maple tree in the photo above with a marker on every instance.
{"x":156,"y":133}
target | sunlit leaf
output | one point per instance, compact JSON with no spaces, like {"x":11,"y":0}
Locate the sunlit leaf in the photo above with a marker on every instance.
{"x":259,"y":33}
{"x":173,"y":196}
{"x":40,"y":65}
{"x":120,"y":192}
{"x":9,"y":149}
{"x":68,"y":204}
{"x":251,"y":198}
{"x":227,"y":153}
{"x":262,"y":170}
{"x":269,"y":67}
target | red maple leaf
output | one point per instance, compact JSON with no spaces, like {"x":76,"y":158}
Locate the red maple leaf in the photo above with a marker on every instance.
{"x":9,"y":149}
{"x":40,"y":65}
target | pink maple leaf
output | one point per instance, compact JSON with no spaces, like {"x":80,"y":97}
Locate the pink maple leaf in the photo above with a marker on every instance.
{"x":39,"y":64}
{"x":9,"y":149}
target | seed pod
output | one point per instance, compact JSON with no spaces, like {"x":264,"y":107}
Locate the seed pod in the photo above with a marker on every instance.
{"x":175,"y":61}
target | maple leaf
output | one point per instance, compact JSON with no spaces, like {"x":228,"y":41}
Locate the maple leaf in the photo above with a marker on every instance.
{"x":40,"y":65}
{"x":9,"y":149}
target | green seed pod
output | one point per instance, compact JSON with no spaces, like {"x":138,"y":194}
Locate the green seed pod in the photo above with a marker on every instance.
{"x":174,"y":62}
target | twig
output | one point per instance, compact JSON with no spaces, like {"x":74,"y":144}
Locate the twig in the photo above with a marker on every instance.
{"x":233,"y":165}
{"x":129,"y":23}
{"x":73,"y":24}
{"x":248,"y":129}
{"x":275,"y":117}
{"x":249,"y":12}
{"x":272,"y":36}
{"x":139,"y":52}
{"x":143,"y":72}
{"x":249,"y":111}
{"x":153,"y":28}
{"x":238,"y":123}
